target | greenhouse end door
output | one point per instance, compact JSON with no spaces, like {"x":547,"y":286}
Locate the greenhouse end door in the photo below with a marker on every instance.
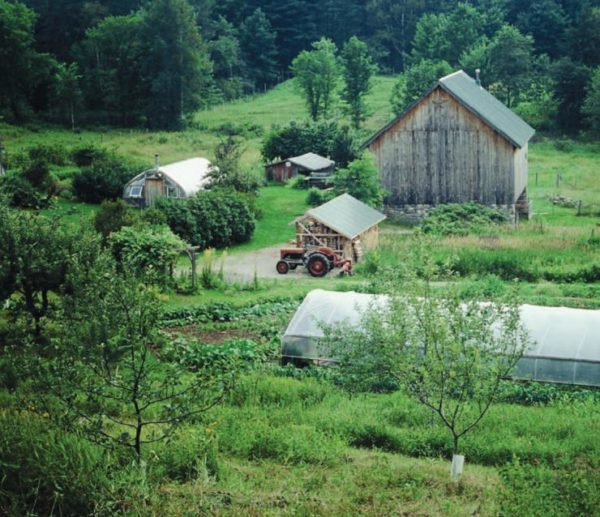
{"x":153,"y":189}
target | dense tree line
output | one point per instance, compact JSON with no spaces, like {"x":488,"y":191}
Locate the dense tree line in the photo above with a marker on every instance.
{"x":155,"y":62}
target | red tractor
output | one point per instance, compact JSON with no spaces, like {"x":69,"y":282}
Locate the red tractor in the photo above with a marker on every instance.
{"x":318,"y":261}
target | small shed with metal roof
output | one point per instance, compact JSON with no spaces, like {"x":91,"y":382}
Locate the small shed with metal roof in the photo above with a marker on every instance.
{"x":316,"y":168}
{"x":177,"y":180}
{"x":346,"y":225}
{"x":456,"y":144}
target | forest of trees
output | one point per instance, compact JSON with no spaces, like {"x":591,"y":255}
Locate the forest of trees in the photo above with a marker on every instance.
{"x":153,"y":63}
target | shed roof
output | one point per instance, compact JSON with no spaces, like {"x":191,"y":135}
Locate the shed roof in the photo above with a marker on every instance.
{"x":191,"y":175}
{"x":346,"y":215}
{"x":312,"y":161}
{"x":309,"y":161}
{"x":480,"y":102}
{"x":565,"y":342}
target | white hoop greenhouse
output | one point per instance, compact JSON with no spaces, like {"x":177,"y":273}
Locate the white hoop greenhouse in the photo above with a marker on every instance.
{"x":565,"y":349}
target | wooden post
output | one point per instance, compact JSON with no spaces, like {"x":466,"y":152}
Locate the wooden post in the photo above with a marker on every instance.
{"x":536,"y":178}
{"x":579,"y":207}
{"x":557,"y":180}
{"x":192,"y":254}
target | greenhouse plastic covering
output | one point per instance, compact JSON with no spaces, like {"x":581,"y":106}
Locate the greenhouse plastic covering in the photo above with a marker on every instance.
{"x":565,"y":345}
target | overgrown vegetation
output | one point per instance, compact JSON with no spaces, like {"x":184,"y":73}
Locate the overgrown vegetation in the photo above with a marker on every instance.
{"x":462,"y":219}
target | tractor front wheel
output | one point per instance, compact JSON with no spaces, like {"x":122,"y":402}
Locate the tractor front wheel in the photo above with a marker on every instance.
{"x":318,"y":265}
{"x":282,"y":267}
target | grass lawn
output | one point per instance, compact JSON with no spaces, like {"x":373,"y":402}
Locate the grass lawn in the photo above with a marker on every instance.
{"x":279,"y":206}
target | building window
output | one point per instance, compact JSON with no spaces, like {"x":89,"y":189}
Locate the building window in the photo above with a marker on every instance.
{"x":172,"y":192}
{"x":135,"y":191}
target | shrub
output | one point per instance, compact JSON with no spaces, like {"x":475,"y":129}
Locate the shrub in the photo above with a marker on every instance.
{"x":501,"y":263}
{"x":86,"y":155}
{"x":316,"y":197}
{"x":44,"y":471}
{"x":112,"y":216}
{"x":104,"y":179}
{"x":461,"y":219}
{"x":21,"y":193}
{"x":54,"y":154}
{"x":210,"y":219}
{"x":361,"y":180}
{"x":148,"y":250}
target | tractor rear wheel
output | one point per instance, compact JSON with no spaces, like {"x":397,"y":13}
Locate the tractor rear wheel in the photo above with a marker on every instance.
{"x":318,"y":265}
{"x":282,"y":267}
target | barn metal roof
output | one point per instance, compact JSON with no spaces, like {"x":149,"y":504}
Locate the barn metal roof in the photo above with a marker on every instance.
{"x":346,"y":215}
{"x":480,"y":102}
{"x":466,"y":90}
{"x":191,"y":175}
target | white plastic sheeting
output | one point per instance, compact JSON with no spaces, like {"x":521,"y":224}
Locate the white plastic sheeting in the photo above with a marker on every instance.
{"x":565,"y":342}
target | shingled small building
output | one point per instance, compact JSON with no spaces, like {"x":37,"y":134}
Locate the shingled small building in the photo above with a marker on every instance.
{"x":458,"y":143}
{"x":315,"y":167}
{"x":346,"y":225}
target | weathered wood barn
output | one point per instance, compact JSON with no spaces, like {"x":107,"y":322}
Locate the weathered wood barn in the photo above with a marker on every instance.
{"x":344,"y":224}
{"x":458,"y":143}
{"x":177,"y":180}
{"x":315,"y":167}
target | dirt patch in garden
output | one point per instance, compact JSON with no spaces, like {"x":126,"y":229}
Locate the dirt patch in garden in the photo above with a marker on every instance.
{"x":212,"y":336}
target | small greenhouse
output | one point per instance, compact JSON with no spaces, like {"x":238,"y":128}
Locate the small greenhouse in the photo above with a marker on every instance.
{"x":176,"y":180}
{"x":565,"y":342}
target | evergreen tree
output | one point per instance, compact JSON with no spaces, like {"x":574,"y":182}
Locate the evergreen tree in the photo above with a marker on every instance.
{"x":257,"y":40}
{"x":110,"y":58}
{"x":571,"y":79}
{"x":393,"y":24}
{"x":175,"y":64}
{"x":547,"y":23}
{"x":21,"y":67}
{"x":357,"y":69}
{"x":224,"y":49}
{"x":585,"y":37}
{"x":591,"y":105}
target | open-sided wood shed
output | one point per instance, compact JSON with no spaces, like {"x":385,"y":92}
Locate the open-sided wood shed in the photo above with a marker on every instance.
{"x":344,"y":224}
{"x":458,"y":143}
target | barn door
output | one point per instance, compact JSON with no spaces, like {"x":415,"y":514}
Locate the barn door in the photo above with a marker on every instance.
{"x":153,"y":189}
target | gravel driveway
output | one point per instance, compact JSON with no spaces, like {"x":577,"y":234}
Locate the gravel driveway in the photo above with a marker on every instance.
{"x":242,"y":266}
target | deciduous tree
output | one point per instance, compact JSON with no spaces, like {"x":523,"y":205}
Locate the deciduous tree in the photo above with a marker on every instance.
{"x":357,"y":70}
{"x":317,"y":72}
{"x":448,"y":354}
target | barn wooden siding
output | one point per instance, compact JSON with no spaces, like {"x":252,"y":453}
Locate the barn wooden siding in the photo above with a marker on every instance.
{"x":440,"y":152}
